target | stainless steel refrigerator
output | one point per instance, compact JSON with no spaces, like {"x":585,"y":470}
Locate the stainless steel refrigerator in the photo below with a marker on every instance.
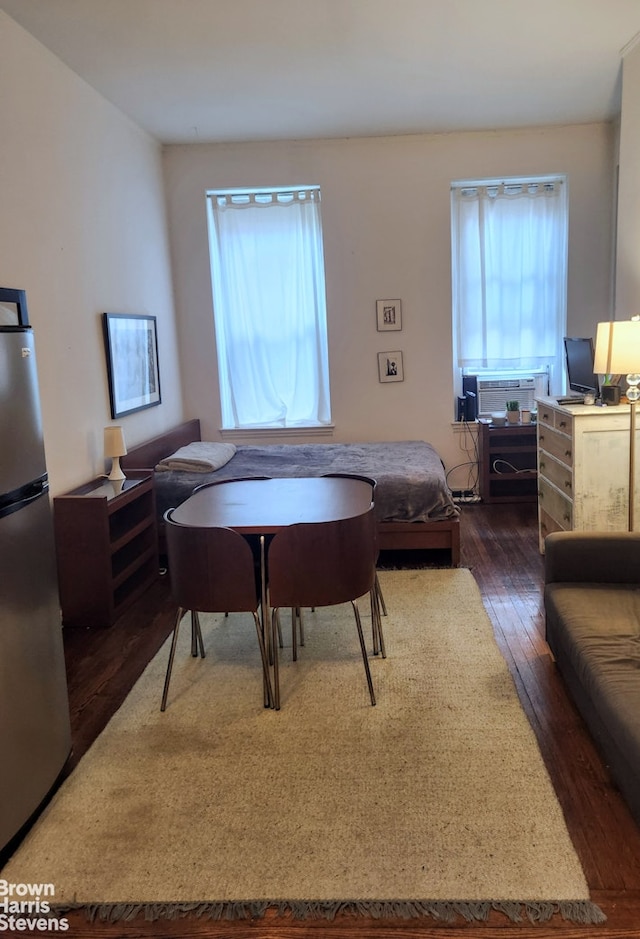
{"x":35,"y":736}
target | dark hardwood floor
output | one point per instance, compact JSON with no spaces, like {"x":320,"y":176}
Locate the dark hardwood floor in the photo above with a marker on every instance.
{"x":499,"y":544}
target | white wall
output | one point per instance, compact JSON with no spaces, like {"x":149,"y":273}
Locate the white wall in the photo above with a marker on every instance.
{"x":386,"y":219}
{"x":83,"y":230}
{"x":628,"y":237}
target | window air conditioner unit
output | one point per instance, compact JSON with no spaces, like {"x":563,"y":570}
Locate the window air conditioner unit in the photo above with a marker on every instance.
{"x":493,"y":394}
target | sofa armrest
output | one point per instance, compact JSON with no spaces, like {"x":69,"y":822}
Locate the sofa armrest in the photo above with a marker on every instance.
{"x":592,"y":557}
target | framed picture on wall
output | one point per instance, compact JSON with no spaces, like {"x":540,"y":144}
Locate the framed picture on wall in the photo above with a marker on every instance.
{"x":131,"y":343}
{"x":389,"y":315}
{"x":390,"y":366}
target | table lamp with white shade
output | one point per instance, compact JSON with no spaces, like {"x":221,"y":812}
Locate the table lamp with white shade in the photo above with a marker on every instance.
{"x":618,"y":353}
{"x":115,"y":447}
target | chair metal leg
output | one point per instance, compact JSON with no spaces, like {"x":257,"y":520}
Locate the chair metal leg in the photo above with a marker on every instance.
{"x":378,"y":590}
{"x":375,"y":613}
{"x":383,"y":650}
{"x":268,"y":693}
{"x":265,"y":628}
{"x":196,"y":636}
{"x":275,"y":617}
{"x":363,"y":649}
{"x":294,"y":633}
{"x":376,"y":624}
{"x":297,"y":620}
{"x":172,"y":653}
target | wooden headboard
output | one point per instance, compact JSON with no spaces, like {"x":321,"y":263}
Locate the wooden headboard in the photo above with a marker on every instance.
{"x":147,"y":455}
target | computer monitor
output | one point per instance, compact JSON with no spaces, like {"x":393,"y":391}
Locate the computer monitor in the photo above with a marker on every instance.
{"x":579,"y":359}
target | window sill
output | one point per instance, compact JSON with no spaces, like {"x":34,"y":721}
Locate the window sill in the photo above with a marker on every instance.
{"x":252,"y":434}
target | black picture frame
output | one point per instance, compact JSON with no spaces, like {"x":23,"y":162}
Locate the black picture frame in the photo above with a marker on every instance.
{"x":13,"y":308}
{"x":390,"y":366}
{"x":388,"y":315}
{"x":131,"y":343}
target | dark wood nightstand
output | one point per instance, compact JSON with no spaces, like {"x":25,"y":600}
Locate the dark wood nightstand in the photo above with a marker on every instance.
{"x":508,"y":462}
{"x":107,"y":548}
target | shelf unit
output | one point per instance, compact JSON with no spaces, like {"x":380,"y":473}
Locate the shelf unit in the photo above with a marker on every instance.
{"x":107,"y":548}
{"x":508,"y":463}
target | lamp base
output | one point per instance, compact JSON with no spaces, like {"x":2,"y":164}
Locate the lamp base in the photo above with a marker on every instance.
{"x":116,"y":474}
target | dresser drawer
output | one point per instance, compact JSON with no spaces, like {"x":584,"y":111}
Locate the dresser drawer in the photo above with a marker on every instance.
{"x":556,"y":444}
{"x":558,"y":419}
{"x":556,"y":472}
{"x":563,"y":422}
{"x":555,"y":505}
{"x":546,"y":415}
{"x":547,"y":525}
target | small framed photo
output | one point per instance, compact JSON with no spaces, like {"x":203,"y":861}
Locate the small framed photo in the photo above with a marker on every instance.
{"x":389,"y":314}
{"x":390,"y":367}
{"x":131,"y":343}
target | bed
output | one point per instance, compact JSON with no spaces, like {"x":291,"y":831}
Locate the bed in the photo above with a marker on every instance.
{"x":413,"y":501}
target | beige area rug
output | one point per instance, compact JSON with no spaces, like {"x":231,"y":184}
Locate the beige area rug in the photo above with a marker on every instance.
{"x":435,"y":802}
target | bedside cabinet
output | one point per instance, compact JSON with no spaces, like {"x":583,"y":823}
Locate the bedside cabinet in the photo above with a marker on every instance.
{"x":107,"y":548}
{"x":508,"y":463}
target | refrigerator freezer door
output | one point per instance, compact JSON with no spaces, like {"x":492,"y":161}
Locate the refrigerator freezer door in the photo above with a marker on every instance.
{"x":34,"y":714}
{"x":22,"y":451}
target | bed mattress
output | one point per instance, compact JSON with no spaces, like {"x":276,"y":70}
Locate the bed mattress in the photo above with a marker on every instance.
{"x":411,"y":483}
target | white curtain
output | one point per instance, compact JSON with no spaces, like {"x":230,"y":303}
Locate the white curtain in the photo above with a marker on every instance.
{"x":267,"y":272}
{"x":509,"y":267}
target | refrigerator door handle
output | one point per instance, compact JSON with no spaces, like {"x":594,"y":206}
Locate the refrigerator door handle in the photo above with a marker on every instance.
{"x":14,"y":501}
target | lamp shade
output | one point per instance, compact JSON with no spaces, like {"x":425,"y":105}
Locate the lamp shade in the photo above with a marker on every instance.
{"x":617,"y":348}
{"x":114,"y":444}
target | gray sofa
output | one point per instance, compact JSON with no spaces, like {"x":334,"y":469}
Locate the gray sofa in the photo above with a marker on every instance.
{"x":592,"y":606}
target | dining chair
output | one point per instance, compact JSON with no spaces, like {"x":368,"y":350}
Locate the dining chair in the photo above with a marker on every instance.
{"x":322,"y":564}
{"x":253,"y":540}
{"x":211,"y":570}
{"x":256,"y":543}
{"x":231,"y":479}
{"x":378,"y":605}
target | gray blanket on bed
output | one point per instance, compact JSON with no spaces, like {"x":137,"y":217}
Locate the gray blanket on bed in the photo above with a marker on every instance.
{"x":411,"y":483}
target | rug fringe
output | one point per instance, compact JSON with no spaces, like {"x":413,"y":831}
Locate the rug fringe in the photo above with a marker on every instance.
{"x":583,"y":912}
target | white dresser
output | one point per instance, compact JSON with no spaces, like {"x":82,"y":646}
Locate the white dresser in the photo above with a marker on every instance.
{"x":583,"y":468}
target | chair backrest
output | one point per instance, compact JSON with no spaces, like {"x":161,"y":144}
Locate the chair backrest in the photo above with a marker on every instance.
{"x":323,"y":563}
{"x":211,"y":569}
{"x":232,"y":479}
{"x":365,"y":479}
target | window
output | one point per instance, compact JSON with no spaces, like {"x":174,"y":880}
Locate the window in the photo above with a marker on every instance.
{"x":509,"y":268}
{"x":267,"y":274}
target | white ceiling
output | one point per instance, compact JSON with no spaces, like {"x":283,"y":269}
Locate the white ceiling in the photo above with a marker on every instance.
{"x":230,"y":70}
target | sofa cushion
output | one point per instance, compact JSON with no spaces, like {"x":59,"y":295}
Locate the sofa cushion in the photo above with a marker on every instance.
{"x":595,"y":628}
